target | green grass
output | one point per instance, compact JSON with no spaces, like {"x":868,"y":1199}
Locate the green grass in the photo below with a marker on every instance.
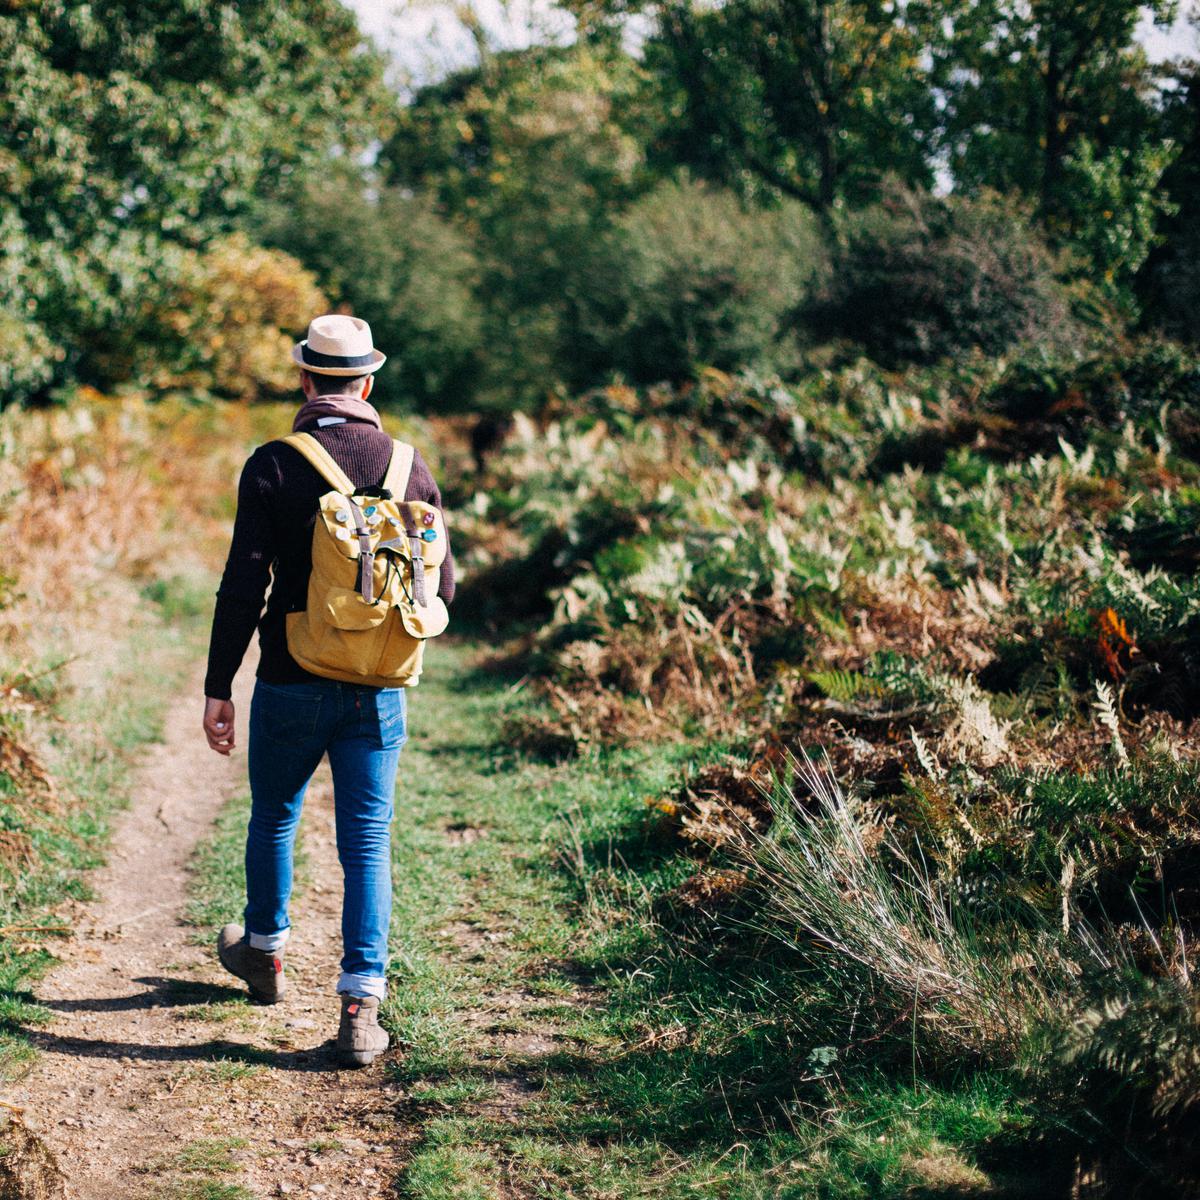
{"x":87,"y":735}
{"x":202,"y":1189}
{"x":669,"y":1073}
{"x":217,"y":880}
{"x":229,"y":1070}
{"x":669,"y":1065}
{"x":452,"y":1093}
{"x":217,"y":1012}
{"x":181,"y":597}
{"x":207,"y":1155}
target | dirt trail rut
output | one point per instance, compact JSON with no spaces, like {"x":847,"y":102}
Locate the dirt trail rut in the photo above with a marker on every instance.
{"x":149,"y":1081}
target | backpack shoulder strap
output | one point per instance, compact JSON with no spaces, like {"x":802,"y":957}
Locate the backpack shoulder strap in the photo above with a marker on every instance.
{"x":320,"y":458}
{"x":399,"y":469}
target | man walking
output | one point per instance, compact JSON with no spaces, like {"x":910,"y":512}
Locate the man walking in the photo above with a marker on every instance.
{"x":297,"y":717}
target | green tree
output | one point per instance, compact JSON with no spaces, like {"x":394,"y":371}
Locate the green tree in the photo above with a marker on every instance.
{"x":1113,"y":208}
{"x":400,"y":265}
{"x":812,"y":99}
{"x":1056,"y":100}
{"x":1170,"y":280}
{"x":1026,"y":82}
{"x":531,"y":153}
{"x":484,"y":136}
{"x":133,"y":132}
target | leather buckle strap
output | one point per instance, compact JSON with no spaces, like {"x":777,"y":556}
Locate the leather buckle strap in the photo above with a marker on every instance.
{"x":366,"y":556}
{"x":418,"y":554}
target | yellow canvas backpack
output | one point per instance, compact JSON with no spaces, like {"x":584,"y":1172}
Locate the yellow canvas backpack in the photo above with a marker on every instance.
{"x":376,"y":559}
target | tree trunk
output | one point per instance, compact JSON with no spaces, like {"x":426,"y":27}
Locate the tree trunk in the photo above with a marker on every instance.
{"x":826,"y":102}
{"x":1052,"y":152}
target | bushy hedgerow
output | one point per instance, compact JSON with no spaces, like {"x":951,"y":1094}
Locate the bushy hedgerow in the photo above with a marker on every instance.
{"x":690,"y":277}
{"x":918,"y":278}
{"x":230,"y":320}
{"x":404,"y":268}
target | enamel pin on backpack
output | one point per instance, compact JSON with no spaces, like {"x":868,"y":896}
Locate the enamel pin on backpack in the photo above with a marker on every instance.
{"x":376,"y":560}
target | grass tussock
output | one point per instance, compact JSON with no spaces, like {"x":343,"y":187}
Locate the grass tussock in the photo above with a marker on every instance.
{"x":881,"y":925}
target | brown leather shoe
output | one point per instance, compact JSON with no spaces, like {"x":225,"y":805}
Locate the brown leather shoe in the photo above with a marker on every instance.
{"x":261,"y":970}
{"x":360,"y":1040}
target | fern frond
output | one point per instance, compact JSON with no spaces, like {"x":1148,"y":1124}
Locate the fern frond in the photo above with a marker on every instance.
{"x":844,"y":686}
{"x":1106,"y":714}
{"x":1040,"y":688}
{"x":926,"y":757}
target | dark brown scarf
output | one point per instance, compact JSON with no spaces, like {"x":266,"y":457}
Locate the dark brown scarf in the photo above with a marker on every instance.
{"x":348,"y":407}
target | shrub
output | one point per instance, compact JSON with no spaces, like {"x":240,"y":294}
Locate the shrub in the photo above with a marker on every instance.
{"x":918,"y":278}
{"x":688,"y":277}
{"x":99,"y":301}
{"x":231,"y":320}
{"x":1173,"y":283}
{"x":1155,"y":385}
{"x":403,"y":268}
{"x":27,"y":357}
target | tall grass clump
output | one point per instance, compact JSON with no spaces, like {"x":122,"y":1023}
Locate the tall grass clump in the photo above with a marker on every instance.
{"x":883,"y":930}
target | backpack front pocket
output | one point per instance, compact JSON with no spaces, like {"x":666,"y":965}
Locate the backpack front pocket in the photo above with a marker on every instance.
{"x":346,"y":609}
{"x":400,"y":654}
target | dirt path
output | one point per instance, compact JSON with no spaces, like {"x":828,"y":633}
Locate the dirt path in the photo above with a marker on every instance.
{"x":153,"y":1080}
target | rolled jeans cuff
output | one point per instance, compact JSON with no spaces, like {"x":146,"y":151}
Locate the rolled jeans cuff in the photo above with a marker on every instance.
{"x":362,"y":985}
{"x":270,"y":942}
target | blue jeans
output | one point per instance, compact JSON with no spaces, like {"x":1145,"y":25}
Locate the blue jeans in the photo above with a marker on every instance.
{"x":363,"y":730}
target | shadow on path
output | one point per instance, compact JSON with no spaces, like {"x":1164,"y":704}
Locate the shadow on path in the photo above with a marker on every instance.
{"x":316,"y":1058}
{"x":163,"y":992}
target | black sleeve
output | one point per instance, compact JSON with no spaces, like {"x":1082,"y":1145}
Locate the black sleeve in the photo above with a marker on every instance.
{"x":244,"y":583}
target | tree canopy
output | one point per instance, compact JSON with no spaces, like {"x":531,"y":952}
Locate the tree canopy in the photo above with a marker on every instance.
{"x":133,"y":133}
{"x":555,"y":214}
{"x":815,"y":100}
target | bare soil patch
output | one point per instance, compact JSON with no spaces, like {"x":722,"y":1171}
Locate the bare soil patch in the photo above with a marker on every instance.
{"x":152,"y":1076}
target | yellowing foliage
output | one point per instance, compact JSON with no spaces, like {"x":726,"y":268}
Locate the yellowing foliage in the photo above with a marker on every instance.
{"x":237,"y":311}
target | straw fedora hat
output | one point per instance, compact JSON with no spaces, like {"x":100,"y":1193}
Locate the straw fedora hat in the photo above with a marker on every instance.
{"x":338,"y":345}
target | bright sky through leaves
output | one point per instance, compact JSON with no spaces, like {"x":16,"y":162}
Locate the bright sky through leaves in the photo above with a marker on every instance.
{"x":426,"y":38}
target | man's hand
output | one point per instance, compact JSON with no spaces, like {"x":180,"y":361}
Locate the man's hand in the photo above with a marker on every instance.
{"x":218,"y":724}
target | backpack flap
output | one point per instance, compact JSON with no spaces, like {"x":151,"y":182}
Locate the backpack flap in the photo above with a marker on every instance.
{"x":427,"y":620}
{"x":339,"y":523}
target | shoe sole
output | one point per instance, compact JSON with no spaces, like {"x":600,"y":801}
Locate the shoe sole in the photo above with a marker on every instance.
{"x":255,"y":995}
{"x":357,"y":1058}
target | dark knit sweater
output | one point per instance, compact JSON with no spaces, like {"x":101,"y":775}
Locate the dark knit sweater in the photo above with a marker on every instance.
{"x":278,"y":499}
